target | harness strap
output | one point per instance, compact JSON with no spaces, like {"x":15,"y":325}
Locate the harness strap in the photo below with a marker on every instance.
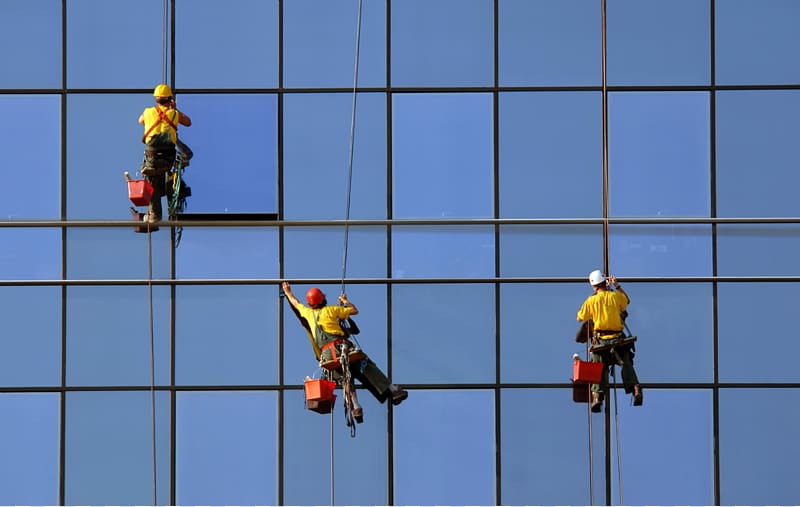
{"x":332,"y":346}
{"x":162,"y":116}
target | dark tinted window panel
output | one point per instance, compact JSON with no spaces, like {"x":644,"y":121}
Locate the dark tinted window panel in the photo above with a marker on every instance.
{"x":316,"y":148}
{"x":551,"y":155}
{"x":244,"y":55}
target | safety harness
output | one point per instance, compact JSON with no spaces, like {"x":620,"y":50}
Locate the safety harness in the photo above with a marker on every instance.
{"x":162,"y":116}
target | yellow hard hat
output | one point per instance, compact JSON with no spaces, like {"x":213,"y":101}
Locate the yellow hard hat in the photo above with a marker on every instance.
{"x":162,"y":90}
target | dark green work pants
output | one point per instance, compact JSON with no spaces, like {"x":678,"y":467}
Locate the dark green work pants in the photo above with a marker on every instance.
{"x":622,"y":356}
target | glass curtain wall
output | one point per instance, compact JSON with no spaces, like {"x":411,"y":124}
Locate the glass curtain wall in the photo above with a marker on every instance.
{"x":493,"y":153}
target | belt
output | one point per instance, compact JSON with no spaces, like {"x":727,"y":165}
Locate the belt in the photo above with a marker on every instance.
{"x":332,"y":346}
{"x":607,"y":332}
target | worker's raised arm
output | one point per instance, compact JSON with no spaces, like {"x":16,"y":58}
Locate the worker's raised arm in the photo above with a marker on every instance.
{"x":184,"y":120}
{"x":612,"y":280}
{"x":347,"y":304}
{"x":287,"y":290}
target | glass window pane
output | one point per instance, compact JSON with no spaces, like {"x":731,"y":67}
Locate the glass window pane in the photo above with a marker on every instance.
{"x":116,"y":253}
{"x":652,"y":317}
{"x":130,"y":44}
{"x":104,"y":141}
{"x":226,"y":335}
{"x":226,"y":451}
{"x":443,"y":252}
{"x":757,"y":156}
{"x":37,"y":62}
{"x":758,"y":446}
{"x":684,"y":449}
{"x":549,"y":43}
{"x":30,"y":140}
{"x":316,"y":152}
{"x":758,"y":250}
{"x":551,"y":155}
{"x":246,"y":56}
{"x":756,"y":41}
{"x":235,"y":162}
{"x":230,"y":252}
{"x":462,"y":349}
{"x":550,"y":340}
{"x":307,"y":441}
{"x":29,"y":437}
{"x":749,"y":311}
{"x":30,"y":254}
{"x":659,"y":154}
{"x":109,"y":458}
{"x":430,"y":452}
{"x":108,"y":335}
{"x":540,"y":465}
{"x":320,"y":44}
{"x":660,"y":250}
{"x":298,"y":354}
{"x":644,"y":47}
{"x":550,"y":250}
{"x":443,"y":43}
{"x":317,"y":252}
{"x":32,"y":326}
{"x":441,"y":139}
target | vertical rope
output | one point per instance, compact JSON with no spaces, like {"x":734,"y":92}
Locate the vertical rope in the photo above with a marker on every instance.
{"x":152,"y":361}
{"x":332,"y":468}
{"x":616,"y":424}
{"x":352,"y":144}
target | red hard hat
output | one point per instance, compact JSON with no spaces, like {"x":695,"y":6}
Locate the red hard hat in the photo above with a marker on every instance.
{"x":314,"y":296}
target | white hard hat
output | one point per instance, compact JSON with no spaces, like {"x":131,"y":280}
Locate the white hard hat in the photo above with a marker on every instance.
{"x":596,"y":277}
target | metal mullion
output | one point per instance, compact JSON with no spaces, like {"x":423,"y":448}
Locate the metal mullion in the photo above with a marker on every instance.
{"x":63,"y":214}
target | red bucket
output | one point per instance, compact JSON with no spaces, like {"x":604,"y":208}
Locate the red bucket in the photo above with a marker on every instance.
{"x":319,"y":389}
{"x":140,"y":192}
{"x":584,"y":371}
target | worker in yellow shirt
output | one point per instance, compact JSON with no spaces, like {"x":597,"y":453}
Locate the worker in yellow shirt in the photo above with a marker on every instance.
{"x":605,"y":309}
{"x":161,"y":138}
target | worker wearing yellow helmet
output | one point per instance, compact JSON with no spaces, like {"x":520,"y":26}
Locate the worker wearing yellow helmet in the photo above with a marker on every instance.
{"x":161,"y":137}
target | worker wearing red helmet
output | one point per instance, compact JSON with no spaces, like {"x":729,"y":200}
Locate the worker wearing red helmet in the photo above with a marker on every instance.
{"x":323,"y":322}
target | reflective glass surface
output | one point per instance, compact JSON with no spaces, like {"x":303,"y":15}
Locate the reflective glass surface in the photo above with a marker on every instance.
{"x":216,"y":252}
{"x":38,"y":20}
{"x":763,"y":250}
{"x":443,"y":252}
{"x":549,"y":250}
{"x":660,"y":250}
{"x":319,"y":252}
{"x":33,"y":254}
{"x":442,"y":43}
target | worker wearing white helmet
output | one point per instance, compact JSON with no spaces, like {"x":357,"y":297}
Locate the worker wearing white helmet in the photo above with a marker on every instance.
{"x":606,"y":308}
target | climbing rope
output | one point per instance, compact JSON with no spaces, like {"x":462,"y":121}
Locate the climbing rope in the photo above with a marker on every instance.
{"x":352,"y":145}
{"x":152,"y":359}
{"x":616,"y":430}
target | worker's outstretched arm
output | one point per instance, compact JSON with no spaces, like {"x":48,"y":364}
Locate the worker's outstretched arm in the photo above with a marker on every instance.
{"x":287,"y":289}
{"x":612,"y":280}
{"x":184,"y":120}
{"x":346,"y":303}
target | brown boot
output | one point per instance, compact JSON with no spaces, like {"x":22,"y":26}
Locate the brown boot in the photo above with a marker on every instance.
{"x":398,"y":394}
{"x":638,"y":396}
{"x":597,"y":402}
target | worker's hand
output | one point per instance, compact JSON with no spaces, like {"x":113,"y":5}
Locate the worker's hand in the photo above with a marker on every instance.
{"x":286,"y":287}
{"x":612,"y":281}
{"x":343,"y":299}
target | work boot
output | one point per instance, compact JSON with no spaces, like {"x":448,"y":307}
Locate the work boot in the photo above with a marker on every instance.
{"x":597,"y":402}
{"x":151,"y":217}
{"x":398,"y":394}
{"x":358,"y":414}
{"x":638,"y":396}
